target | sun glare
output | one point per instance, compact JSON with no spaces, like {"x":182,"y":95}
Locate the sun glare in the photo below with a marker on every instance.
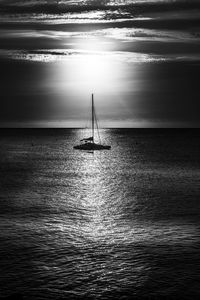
{"x":91,"y":67}
{"x":86,"y":71}
{"x":95,"y":72}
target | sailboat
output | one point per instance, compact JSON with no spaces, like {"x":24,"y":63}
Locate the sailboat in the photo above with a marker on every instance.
{"x":89,"y":144}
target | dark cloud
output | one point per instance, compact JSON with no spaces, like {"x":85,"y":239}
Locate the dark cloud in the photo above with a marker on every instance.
{"x":22,"y":96}
{"x":169,"y":93}
{"x":163,"y":92}
{"x":31,"y":40}
{"x":136,"y":7}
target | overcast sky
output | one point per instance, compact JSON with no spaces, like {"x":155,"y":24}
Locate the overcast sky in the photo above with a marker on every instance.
{"x":140,"y":58}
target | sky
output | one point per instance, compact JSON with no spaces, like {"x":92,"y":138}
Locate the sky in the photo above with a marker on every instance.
{"x":140,"y":58}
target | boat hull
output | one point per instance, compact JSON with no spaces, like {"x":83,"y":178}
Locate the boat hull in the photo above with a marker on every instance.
{"x":92,"y":146}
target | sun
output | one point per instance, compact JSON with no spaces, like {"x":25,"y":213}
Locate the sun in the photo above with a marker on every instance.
{"x":95,"y":72}
{"x":92,"y":65}
{"x":88,"y":68}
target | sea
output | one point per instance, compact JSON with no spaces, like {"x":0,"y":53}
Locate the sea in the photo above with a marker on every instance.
{"x":118,"y":224}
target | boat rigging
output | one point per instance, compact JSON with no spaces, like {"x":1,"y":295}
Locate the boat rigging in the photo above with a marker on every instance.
{"x":89,"y":143}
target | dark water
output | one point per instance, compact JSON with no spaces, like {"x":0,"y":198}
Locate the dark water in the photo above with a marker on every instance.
{"x":110,"y":225}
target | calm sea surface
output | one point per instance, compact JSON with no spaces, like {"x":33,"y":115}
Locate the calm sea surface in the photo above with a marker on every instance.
{"x":110,"y":225}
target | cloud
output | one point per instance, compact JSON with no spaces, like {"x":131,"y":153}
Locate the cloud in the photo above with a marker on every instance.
{"x":22,"y":96}
{"x":168,"y":93}
{"x":131,"y":7}
{"x":49,"y":55}
{"x":156,"y":43}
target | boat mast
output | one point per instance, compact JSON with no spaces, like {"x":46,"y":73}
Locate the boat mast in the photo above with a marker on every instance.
{"x":93,"y":117}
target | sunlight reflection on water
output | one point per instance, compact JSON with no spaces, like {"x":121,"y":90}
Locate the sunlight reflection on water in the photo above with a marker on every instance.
{"x":100,"y":224}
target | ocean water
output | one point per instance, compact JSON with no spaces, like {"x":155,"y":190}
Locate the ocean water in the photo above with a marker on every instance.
{"x":116,"y":224}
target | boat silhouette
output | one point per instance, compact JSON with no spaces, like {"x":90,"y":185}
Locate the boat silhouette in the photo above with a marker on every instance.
{"x":89,"y":144}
